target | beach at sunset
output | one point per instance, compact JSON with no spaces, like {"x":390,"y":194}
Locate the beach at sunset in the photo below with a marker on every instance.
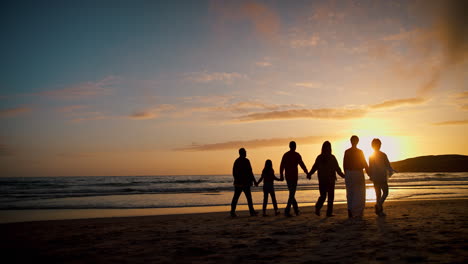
{"x":422,"y":231}
{"x":158,"y":131}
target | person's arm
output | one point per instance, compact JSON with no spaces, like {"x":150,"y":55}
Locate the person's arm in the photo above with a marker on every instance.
{"x":303,"y":166}
{"x":274,"y":176}
{"x":314,"y":169}
{"x":261,"y":179}
{"x":282,"y":169}
{"x":251,"y":173}
{"x":364,"y":163}
{"x":337,"y":168}
{"x":389,"y":166}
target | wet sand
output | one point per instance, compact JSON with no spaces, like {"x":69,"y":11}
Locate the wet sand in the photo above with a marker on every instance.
{"x":413,"y":231}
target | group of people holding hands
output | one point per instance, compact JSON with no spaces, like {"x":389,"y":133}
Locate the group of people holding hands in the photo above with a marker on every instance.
{"x":326,"y":166}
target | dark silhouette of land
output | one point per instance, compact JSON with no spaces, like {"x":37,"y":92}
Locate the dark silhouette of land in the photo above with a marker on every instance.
{"x":433,"y":163}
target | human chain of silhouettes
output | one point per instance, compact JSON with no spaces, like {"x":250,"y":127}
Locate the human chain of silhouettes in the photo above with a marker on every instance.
{"x":326,"y":166}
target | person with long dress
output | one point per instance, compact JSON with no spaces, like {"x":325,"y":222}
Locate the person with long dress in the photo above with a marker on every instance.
{"x":354,"y":163}
{"x":327,"y":167}
{"x":379,"y":172}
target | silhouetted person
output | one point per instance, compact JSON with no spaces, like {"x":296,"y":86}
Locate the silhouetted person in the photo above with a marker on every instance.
{"x":243,"y":179}
{"x":268,"y":177}
{"x":327,"y":167}
{"x":353,"y":164}
{"x":379,"y":171}
{"x":289,"y":163}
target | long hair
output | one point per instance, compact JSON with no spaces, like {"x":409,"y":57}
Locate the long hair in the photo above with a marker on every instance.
{"x":326,"y":150}
{"x":268,"y":167}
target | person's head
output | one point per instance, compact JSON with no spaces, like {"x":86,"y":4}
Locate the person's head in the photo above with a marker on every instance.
{"x":292,"y":145}
{"x":354,"y":140}
{"x":242,"y":152}
{"x":326,"y":148}
{"x":376,"y":144}
{"x":268,"y":164}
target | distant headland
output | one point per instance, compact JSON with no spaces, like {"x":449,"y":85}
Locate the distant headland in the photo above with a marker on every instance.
{"x":436,"y":163}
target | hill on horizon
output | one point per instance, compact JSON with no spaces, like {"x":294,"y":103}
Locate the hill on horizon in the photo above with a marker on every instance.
{"x":433,"y":163}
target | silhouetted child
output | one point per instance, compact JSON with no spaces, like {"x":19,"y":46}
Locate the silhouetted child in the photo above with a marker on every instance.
{"x":327,"y":167}
{"x":268,"y":177}
{"x":379,"y":169}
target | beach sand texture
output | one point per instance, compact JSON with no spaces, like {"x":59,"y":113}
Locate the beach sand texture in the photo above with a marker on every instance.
{"x":412,"y":232}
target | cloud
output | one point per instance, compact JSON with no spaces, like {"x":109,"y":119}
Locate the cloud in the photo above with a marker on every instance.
{"x":76,"y":155}
{"x":311,"y":41}
{"x":328,"y":113}
{"x":461,"y":99}
{"x":308,"y":84}
{"x":82,"y":90}
{"x":151,"y":113}
{"x":91,"y":116}
{"x":322,"y":113}
{"x":255,"y":143}
{"x":398,"y":102}
{"x":263,"y":63}
{"x":452,"y":122}
{"x":244,"y":106}
{"x":207,"y":77}
{"x":12,"y":112}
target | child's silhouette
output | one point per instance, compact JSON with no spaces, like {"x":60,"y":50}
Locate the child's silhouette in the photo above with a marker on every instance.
{"x":268,"y":177}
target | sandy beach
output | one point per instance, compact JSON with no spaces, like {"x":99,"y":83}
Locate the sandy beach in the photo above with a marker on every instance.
{"x":413,"y":231}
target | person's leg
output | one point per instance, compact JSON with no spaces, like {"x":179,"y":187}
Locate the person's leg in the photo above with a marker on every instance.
{"x":384,"y":196}
{"x":291,"y":199}
{"x":349,"y":193}
{"x":248,"y":195}
{"x":321,"y":199}
{"x":378,"y":197}
{"x":235,"y":199}
{"x":273,"y":200}
{"x":331,"y":198}
{"x":265,"y":201}
{"x":294,"y":202}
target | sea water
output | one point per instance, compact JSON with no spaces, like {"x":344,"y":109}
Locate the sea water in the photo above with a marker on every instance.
{"x":195,"y":191}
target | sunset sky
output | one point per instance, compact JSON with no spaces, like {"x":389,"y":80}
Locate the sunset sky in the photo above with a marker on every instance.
{"x":177,"y":87}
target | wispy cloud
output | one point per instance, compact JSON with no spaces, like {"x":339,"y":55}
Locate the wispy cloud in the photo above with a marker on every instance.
{"x":398,"y":102}
{"x":207,"y":77}
{"x":251,"y":144}
{"x":327,"y":113}
{"x":245,"y":106}
{"x":451,"y":122}
{"x":151,"y":113}
{"x":263,"y":63}
{"x":311,"y":41}
{"x":91,"y":116}
{"x":308,"y":84}
{"x":12,"y":112}
{"x":321,"y":113}
{"x":461,"y":99}
{"x":87,"y":89}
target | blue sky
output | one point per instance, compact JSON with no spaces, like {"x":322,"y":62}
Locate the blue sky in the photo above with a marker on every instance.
{"x":134,"y":87}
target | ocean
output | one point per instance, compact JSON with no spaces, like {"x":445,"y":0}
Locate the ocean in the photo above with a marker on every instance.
{"x":54,"y":198}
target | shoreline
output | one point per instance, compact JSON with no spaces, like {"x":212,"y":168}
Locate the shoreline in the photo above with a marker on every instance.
{"x":428,"y":231}
{"x":34,"y":215}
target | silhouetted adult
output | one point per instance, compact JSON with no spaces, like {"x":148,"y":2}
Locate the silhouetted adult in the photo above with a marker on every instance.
{"x":243,"y":179}
{"x":289,"y":163}
{"x":354,"y":162}
{"x":327,"y":167}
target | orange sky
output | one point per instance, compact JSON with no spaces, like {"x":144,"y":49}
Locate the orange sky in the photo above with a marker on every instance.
{"x":177,"y":89}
